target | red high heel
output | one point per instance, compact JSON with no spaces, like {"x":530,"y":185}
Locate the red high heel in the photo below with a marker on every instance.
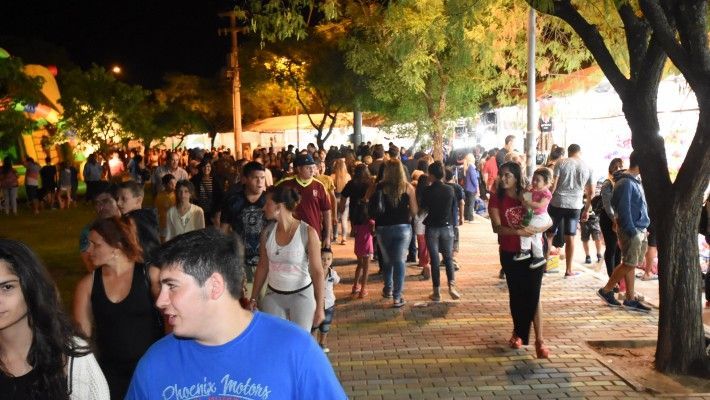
{"x":541,"y":350}
{"x":515,"y":342}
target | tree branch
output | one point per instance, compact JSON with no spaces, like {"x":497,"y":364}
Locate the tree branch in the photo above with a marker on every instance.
{"x":664,"y":32}
{"x":592,"y":39}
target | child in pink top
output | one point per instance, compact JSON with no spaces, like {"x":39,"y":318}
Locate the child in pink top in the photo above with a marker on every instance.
{"x":536,"y":200}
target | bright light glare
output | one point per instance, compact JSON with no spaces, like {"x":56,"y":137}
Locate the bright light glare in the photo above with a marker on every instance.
{"x":116,"y":69}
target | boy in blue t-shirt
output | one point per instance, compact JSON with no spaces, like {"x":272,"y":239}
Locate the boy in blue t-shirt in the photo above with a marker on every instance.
{"x":219,"y":349}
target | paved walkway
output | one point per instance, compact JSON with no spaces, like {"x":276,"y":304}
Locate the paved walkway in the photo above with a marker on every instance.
{"x":458,"y":349}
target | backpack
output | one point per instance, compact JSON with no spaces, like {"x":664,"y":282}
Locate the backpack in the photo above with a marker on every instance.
{"x":598,"y":205}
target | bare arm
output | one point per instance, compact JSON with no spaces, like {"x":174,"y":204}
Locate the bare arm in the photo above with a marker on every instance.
{"x":262,"y":270}
{"x":328,"y":222}
{"x":315,"y":268}
{"x":589,"y":191}
{"x":82,"y":304}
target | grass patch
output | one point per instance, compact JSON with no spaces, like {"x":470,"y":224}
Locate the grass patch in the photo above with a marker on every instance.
{"x":54,"y":236}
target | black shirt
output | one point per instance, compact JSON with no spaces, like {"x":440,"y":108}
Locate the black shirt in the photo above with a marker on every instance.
{"x":394,"y":215}
{"x":19,"y":387}
{"x":357,"y":210}
{"x":48,"y":173}
{"x":438,"y":199}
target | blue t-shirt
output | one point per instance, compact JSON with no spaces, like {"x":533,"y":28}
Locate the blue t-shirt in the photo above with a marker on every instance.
{"x":272,"y":359}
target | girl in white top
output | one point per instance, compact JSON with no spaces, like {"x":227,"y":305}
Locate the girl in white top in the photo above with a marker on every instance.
{"x":290,"y":264}
{"x":184,"y":216}
{"x":47,"y":358}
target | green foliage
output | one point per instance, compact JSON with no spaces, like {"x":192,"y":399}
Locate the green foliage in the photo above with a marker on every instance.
{"x":191,"y":103}
{"x":315,"y":69}
{"x":16,"y":88}
{"x":101,"y":110}
{"x":277,"y":20}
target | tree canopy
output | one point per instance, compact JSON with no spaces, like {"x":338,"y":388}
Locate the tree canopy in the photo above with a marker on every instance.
{"x":16,"y":90}
{"x":101,"y":110}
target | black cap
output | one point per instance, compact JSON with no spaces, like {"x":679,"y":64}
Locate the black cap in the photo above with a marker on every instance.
{"x":303,"y":159}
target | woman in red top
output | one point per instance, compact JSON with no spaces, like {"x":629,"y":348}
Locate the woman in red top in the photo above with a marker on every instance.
{"x":506,"y":213}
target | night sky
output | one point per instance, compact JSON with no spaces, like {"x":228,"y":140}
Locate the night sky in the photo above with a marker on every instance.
{"x":147,"y":38}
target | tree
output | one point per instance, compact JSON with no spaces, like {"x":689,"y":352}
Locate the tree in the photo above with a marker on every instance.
{"x":442,"y":59}
{"x":659,"y":27}
{"x":195,"y":103}
{"x":315,"y":69}
{"x":100,"y":109}
{"x":416,"y":56}
{"x":16,"y":91}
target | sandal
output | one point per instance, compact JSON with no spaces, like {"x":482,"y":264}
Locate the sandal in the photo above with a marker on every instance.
{"x":356,"y":289}
{"x":363,"y":293}
{"x":515,"y":342}
{"x":541,"y":350}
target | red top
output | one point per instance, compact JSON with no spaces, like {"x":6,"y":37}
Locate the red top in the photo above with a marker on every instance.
{"x":491,"y":168}
{"x":314,"y":200}
{"x":511,"y":214}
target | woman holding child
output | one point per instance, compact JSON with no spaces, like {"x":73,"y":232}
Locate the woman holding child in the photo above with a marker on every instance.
{"x":506,"y":212}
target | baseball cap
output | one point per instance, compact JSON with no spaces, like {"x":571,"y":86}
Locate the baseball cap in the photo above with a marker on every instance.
{"x":303,"y":159}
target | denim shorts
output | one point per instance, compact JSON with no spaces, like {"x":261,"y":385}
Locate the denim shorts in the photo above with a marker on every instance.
{"x":565,"y":219}
{"x":324,"y":326}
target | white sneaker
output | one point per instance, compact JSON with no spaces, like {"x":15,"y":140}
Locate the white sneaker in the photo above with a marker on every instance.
{"x":523,"y":255}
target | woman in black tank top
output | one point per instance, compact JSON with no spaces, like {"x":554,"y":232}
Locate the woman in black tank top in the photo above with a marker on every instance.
{"x":393,"y":227}
{"x":115,"y":305}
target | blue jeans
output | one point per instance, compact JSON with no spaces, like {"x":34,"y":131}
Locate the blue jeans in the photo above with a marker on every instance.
{"x":393,"y":241}
{"x":440,"y":239}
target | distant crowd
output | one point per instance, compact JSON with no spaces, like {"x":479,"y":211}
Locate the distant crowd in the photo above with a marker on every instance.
{"x":195,"y":259}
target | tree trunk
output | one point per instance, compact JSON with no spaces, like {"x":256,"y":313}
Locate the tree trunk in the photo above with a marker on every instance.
{"x":681,"y":336}
{"x":437,"y":139}
{"x":675,"y":215}
{"x":680,"y":346}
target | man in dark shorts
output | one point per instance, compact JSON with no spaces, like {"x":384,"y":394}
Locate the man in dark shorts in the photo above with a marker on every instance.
{"x":573,"y":179}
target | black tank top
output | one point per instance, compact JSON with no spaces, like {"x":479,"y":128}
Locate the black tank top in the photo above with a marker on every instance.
{"x":124,"y":330}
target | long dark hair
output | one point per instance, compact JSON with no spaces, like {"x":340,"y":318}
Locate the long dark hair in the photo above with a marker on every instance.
{"x":53,"y":335}
{"x":361,"y":175}
{"x":513,"y":168}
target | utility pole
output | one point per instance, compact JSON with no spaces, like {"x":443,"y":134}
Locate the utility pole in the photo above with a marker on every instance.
{"x":233,"y":74}
{"x":532,"y":126}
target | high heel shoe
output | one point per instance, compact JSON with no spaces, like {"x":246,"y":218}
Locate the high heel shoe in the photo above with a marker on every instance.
{"x":515,"y":342}
{"x":541,"y":350}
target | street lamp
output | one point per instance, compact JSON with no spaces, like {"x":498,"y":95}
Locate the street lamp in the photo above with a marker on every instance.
{"x":116,"y":70}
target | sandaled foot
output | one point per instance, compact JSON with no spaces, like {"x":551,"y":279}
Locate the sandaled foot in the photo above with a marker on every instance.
{"x":541,"y":350}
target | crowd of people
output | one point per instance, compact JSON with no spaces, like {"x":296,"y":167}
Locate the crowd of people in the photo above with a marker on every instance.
{"x":225,"y":250}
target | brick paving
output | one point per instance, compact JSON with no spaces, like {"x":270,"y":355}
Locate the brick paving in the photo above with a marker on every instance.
{"x":458,"y":349}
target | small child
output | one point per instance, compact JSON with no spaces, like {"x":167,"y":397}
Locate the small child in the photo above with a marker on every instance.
{"x":163,"y":201}
{"x":591,"y":227}
{"x":536,"y":200}
{"x":419,"y":228}
{"x":331,"y":278}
